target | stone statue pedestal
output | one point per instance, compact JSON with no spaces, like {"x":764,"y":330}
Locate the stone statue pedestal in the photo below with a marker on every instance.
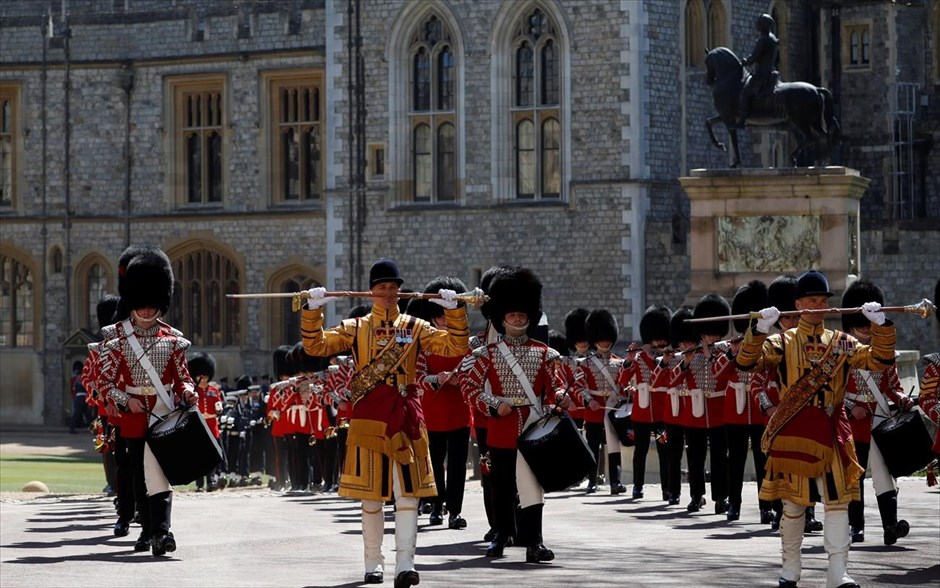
{"x":751,"y":224}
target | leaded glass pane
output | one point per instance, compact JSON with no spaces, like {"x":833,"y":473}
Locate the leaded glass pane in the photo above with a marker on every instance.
{"x":422,"y":162}
{"x":422,"y":81}
{"x":446,"y":163}
{"x":525,"y":159}
{"x":525,"y":75}
{"x":551,"y":159}
{"x":549,"y":74}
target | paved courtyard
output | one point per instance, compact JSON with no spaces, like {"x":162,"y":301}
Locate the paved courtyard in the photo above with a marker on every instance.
{"x":254,"y":537}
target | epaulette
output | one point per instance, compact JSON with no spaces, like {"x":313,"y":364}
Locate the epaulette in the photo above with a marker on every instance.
{"x":482,"y":351}
{"x":552,"y":354}
{"x":172,"y":330}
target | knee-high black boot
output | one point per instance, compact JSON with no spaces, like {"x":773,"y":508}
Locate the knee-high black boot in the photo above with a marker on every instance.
{"x":888,"y":507}
{"x":160,"y":508}
{"x":530,"y":534}
{"x":613,"y":470}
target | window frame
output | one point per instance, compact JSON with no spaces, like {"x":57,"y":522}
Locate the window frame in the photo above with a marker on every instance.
{"x":435,"y":116}
{"x":32,"y":298}
{"x":850,"y":30}
{"x":188,"y":276}
{"x":273,"y":83}
{"x":178,"y":87}
{"x":11,"y":93}
{"x":694,"y":34}
{"x":535,"y":111}
{"x":87,"y":303}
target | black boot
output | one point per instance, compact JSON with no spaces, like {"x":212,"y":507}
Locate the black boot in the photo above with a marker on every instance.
{"x":734,"y":512}
{"x":161,"y":506}
{"x":888,"y":507}
{"x":142,"y":543}
{"x":613,"y":472}
{"x":530,"y":534}
{"x":436,"y":517}
{"x":811,"y":525}
{"x":696,"y":505}
{"x":499,"y":544}
{"x":406,"y":579}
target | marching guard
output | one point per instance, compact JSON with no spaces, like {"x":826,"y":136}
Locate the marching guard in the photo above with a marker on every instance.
{"x":512,"y":380}
{"x":387,"y":453}
{"x":811,"y":453}
{"x":202,"y":370}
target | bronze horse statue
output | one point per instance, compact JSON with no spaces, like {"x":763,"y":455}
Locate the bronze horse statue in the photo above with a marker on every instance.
{"x":804,"y":108}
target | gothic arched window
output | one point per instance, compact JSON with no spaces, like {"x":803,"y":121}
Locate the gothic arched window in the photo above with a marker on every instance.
{"x":694,"y":33}
{"x":200,"y":309}
{"x":17,"y":298}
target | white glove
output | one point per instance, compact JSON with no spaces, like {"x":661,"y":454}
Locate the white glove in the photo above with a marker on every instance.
{"x":218,"y":406}
{"x":768,"y":318}
{"x":872,"y":311}
{"x":317,"y":298}
{"x":448,"y":299}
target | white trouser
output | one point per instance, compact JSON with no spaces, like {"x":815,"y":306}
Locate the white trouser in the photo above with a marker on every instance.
{"x":527,"y":485}
{"x":880,"y":476}
{"x":836,"y":540}
{"x":610,"y":436}
{"x":154,"y":477}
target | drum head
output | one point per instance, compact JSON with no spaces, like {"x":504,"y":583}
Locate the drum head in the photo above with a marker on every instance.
{"x":623,"y":411}
{"x":542,"y":428}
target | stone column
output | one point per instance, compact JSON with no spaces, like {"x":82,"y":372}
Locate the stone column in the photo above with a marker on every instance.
{"x":751,"y":224}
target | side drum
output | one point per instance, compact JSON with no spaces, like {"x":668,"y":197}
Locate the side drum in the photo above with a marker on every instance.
{"x":904,"y":442}
{"x":557,"y":453}
{"x":621,"y":420}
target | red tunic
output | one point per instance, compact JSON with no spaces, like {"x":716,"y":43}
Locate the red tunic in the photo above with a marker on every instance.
{"x":489,"y":366}
{"x":277,"y":403}
{"x":649,"y":403}
{"x":741,"y":407}
{"x":566,"y":377}
{"x":209,"y":399}
{"x":445,"y":408}
{"x":929,"y":399}
{"x":167,"y":352}
{"x":858,"y":392}
{"x":591,"y":384}
{"x":701,"y":403}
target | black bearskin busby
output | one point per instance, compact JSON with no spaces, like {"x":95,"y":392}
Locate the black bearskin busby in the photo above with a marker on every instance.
{"x":654,"y":326}
{"x":427,"y":310}
{"x":307,"y":363}
{"x":515,"y":290}
{"x":600,"y":325}
{"x":749,"y":297}
{"x":282,"y":365}
{"x":105,"y":310}
{"x":679,"y":330}
{"x":712,"y":305}
{"x":574,"y":327}
{"x":242,"y":383}
{"x":121,"y":312}
{"x":148,"y":281}
{"x":202,"y":364}
{"x":485,"y":280}
{"x":403,"y":302}
{"x":781,"y":294}
{"x":558,"y":342}
{"x":358,"y":311}
{"x":860,"y":292}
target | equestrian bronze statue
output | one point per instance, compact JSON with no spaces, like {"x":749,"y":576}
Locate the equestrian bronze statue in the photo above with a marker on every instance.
{"x":758,"y":98}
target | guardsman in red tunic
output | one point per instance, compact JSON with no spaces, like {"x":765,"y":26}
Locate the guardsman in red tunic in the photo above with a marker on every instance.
{"x":744,"y":422}
{"x":446,"y":413}
{"x":704,"y":408}
{"x":512,"y":380}
{"x":576,"y":341}
{"x":202,"y":370}
{"x":637,"y":372}
{"x":278,"y":394}
{"x":596,"y":384}
{"x":144,"y":356}
{"x":867,"y":398}
{"x":682,"y":336}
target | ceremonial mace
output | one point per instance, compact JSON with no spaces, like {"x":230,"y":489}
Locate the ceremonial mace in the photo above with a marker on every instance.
{"x":474,"y":298}
{"x":924,"y":309}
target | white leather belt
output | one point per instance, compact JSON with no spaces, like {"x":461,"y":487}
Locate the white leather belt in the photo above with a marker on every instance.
{"x":141,"y":391}
{"x":513,"y":401}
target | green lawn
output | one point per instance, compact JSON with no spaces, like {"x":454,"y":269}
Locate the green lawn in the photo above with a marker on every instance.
{"x":63,"y":475}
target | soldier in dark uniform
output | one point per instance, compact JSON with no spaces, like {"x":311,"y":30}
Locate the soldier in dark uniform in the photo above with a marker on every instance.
{"x":763,"y":59}
{"x":258,"y":434}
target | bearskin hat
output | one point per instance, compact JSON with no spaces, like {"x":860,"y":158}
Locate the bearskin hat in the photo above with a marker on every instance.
{"x":307,"y":363}
{"x":515,"y":290}
{"x":148,"y":281}
{"x":282,"y":365}
{"x":427,"y":310}
{"x":654,"y":326}
{"x":574,"y":326}
{"x":358,"y":311}
{"x":600,"y":325}
{"x":242,"y":383}
{"x":558,"y":342}
{"x":679,"y":330}
{"x":781,"y":293}
{"x":749,"y":297}
{"x":712,"y":305}
{"x":936,"y":298}
{"x":105,"y":310}
{"x":860,"y":292}
{"x":121,"y":312}
{"x":202,"y":364}
{"x":485,"y":282}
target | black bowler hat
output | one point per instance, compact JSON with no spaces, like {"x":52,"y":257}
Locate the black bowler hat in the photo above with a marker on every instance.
{"x":384,"y":270}
{"x":812,"y":283}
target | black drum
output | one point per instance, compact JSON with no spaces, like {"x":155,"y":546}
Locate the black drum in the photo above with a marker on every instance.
{"x":904,"y":442}
{"x":557,"y":453}
{"x":620,"y":419}
{"x":184,"y":446}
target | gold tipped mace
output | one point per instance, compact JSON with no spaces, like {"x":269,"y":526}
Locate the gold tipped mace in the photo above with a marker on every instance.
{"x":474,"y":298}
{"x":924,"y":309}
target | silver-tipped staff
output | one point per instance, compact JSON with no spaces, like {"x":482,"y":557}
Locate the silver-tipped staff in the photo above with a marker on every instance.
{"x":924,"y":309}
{"x":474,"y":298}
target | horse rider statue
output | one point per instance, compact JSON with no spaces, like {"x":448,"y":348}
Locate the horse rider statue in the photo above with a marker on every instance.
{"x":763,"y":62}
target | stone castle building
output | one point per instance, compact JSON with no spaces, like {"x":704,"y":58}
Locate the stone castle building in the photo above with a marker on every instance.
{"x":281,"y":144}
